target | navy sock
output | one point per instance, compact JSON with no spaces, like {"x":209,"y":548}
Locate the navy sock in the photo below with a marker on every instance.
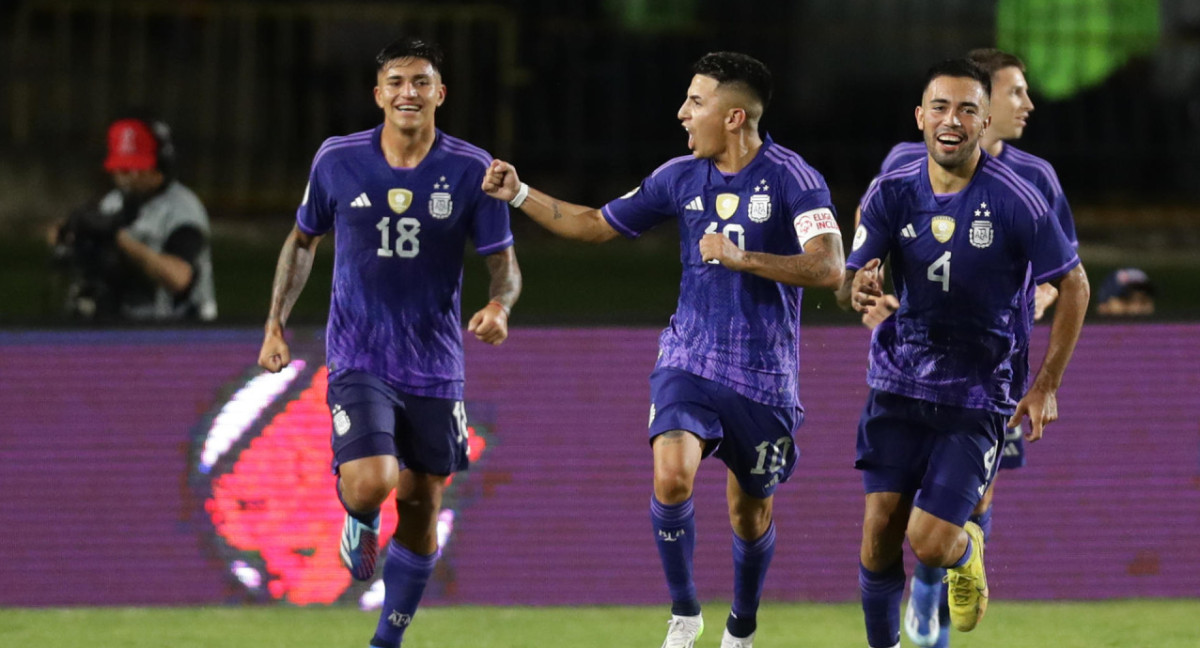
{"x":750,"y":563}
{"x":984,"y":520}
{"x":966,"y":554}
{"x":404,"y":577}
{"x":368,"y":518}
{"x":929,"y":575}
{"x":675,"y":535}
{"x":881,"y":594}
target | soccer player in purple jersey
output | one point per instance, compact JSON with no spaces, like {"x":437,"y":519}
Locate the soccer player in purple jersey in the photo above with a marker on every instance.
{"x":402,"y":199}
{"x":927,"y":614}
{"x":963,"y":232}
{"x":756,"y":224}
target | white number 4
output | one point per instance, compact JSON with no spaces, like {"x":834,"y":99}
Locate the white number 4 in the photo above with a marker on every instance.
{"x":939,"y":271}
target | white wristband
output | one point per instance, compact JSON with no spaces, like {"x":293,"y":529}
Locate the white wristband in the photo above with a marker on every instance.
{"x":519,"y":199}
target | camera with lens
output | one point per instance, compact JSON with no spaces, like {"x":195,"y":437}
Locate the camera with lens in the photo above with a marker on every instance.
{"x":85,"y":251}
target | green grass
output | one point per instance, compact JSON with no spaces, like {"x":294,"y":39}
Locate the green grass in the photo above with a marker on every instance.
{"x":1108,"y":624}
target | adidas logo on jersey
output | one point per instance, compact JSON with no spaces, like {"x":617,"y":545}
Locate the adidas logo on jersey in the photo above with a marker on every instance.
{"x":908,"y":231}
{"x":361,"y":201}
{"x":695,"y":205}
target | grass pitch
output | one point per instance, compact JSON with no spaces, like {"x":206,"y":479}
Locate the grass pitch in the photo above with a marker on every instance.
{"x":1108,"y":624}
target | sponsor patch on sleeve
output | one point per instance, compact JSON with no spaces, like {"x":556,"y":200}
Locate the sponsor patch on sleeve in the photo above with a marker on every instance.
{"x":860,"y":237}
{"x":815,"y":222}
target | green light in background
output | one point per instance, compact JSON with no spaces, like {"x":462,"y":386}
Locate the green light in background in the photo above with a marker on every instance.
{"x":1069,"y":45}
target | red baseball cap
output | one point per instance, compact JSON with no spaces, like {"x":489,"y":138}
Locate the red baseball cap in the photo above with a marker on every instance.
{"x":131,"y":146}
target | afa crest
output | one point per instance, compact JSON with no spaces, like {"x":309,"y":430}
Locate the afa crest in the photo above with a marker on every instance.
{"x":440,"y":204}
{"x":942,"y":228}
{"x":399,"y":200}
{"x":760,"y":208}
{"x":981,"y":233}
{"x":727,"y":205}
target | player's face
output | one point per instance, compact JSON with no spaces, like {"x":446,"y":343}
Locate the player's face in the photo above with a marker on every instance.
{"x":953,"y":115}
{"x":136,"y":182}
{"x":703,"y":114}
{"x":409,"y":90}
{"x":1011,"y":104}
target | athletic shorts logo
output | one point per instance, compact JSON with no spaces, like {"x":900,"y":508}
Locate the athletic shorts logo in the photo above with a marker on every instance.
{"x":630,"y":193}
{"x":727,"y":205}
{"x":942,"y":228}
{"x":341,"y":420}
{"x":399,"y":200}
{"x":653,"y":411}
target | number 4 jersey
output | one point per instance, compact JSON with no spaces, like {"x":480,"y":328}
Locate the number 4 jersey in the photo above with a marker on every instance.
{"x":958,"y":264}
{"x":734,"y":328}
{"x":399,"y":238}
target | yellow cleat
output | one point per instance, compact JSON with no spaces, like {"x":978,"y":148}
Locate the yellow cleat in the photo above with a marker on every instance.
{"x":967,"y":585}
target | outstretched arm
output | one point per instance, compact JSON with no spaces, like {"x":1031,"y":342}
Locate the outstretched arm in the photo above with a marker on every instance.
{"x":291,"y":273}
{"x":821,"y":265}
{"x":1040,"y":403}
{"x":563,"y":218}
{"x":490,"y":323}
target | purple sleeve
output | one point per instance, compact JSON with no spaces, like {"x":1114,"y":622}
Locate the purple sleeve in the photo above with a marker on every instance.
{"x":641,"y":209}
{"x":490,"y":229}
{"x":872,"y":238}
{"x":1050,"y":251}
{"x":315,"y":214}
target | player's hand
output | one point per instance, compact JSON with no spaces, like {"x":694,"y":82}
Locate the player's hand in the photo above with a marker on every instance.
{"x":1041,"y":406}
{"x":490,"y":324}
{"x":718,"y":248}
{"x":1043,"y":298}
{"x":882,"y":310}
{"x":867,"y":288}
{"x":500,"y":181}
{"x":274,"y":355}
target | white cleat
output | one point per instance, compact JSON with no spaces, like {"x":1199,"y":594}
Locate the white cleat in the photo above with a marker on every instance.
{"x":730,"y":641}
{"x":683,"y":631}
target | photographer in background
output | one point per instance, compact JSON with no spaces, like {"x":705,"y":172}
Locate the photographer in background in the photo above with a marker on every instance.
{"x":142,"y":253}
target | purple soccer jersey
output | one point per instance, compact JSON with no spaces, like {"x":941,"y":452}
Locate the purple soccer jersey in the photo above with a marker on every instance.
{"x":959,"y":264}
{"x":1032,"y":168}
{"x":734,"y":328}
{"x":400,"y":236}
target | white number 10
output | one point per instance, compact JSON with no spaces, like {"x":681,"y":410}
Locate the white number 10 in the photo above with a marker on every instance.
{"x":939,"y":271}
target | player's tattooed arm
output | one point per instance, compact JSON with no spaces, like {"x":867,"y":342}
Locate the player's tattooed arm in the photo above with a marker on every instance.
{"x":291,"y":273}
{"x":567,"y":220}
{"x":821,"y":266}
{"x":505,"y":275}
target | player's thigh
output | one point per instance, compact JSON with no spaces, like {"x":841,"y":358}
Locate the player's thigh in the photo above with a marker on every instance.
{"x":894,"y":443}
{"x":759,"y":445}
{"x":962,"y":464}
{"x":431,"y":435}
{"x":363,"y":412}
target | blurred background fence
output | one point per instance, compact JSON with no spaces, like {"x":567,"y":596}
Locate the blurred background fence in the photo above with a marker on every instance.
{"x":582,"y":96}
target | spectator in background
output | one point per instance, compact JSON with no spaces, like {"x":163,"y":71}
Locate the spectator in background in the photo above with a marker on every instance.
{"x":1127,"y":292}
{"x":142,"y":253}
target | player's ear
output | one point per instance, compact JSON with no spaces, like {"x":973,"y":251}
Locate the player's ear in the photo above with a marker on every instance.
{"x":441,"y":94}
{"x":920,"y":122}
{"x":735,"y":118}
{"x":379,"y":97}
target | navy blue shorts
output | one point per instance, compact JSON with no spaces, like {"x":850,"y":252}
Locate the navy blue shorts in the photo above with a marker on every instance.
{"x":945,"y":455}
{"x":756,"y":441}
{"x":370,"y":418}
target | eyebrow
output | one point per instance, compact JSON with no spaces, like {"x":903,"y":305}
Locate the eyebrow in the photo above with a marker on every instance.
{"x":971,"y":104}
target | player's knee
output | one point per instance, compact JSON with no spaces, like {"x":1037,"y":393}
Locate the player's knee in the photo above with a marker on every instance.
{"x":750,"y":523}
{"x":932,"y":551}
{"x":672,"y":486}
{"x":365,"y":493}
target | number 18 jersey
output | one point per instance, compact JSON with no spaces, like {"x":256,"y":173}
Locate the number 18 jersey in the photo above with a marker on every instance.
{"x":400,"y":234}
{"x":959,"y":264}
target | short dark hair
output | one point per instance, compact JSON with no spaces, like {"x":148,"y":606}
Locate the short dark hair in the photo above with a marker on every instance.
{"x":739,"y":69}
{"x":407,"y":47}
{"x":961,"y":68}
{"x":992,"y":60}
